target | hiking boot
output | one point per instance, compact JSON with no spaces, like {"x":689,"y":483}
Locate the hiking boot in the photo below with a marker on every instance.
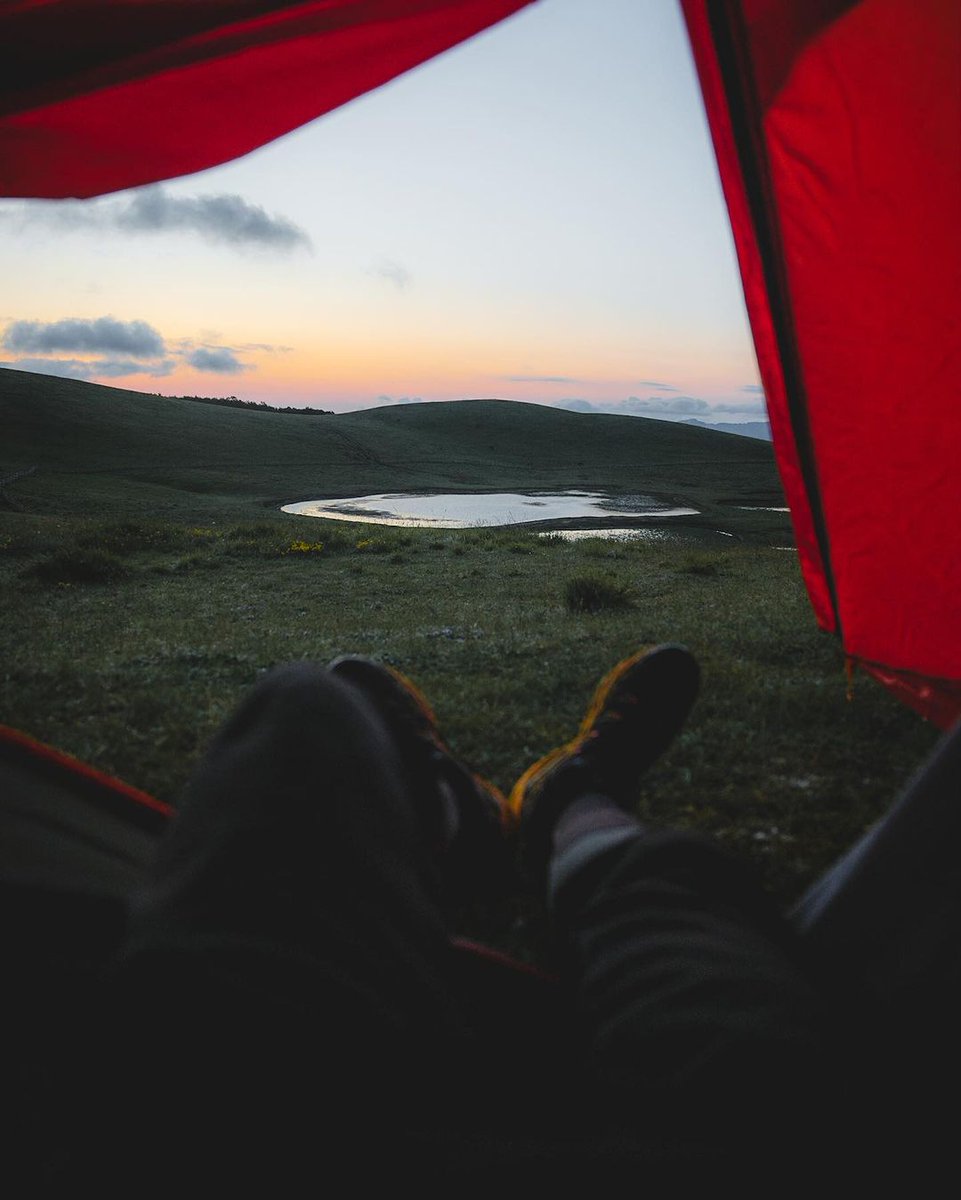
{"x":637,"y":710}
{"x":465,"y":817}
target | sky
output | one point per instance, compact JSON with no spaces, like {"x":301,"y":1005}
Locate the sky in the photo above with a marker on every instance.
{"x":534,"y":215}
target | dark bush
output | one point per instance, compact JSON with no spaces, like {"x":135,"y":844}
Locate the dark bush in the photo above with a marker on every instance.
{"x":595,"y":593}
{"x":79,"y":566}
{"x":708,"y":566}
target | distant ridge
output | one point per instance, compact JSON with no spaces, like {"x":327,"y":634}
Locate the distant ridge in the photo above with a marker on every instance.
{"x":751,"y":429}
{"x":105,"y":447}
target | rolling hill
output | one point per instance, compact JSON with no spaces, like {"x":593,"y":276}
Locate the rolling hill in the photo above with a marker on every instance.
{"x":102,"y":449}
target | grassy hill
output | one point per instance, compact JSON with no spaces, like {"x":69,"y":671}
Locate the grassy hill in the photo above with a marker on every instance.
{"x":107,"y":450}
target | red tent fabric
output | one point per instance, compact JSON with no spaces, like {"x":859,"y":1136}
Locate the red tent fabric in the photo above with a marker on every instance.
{"x":99,"y":95}
{"x":837,"y":127}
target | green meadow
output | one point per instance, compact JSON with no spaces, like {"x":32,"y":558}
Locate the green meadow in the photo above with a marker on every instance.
{"x":149,"y":579}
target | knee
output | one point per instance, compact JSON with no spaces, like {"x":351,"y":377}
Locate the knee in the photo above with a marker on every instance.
{"x":298,"y":684}
{"x":303,"y":703}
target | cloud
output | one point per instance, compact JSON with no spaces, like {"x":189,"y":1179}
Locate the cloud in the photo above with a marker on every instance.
{"x":113,"y":368}
{"x":394,"y":272}
{"x":673,"y":406}
{"x":65,"y":368}
{"x":753,"y":387}
{"x":385,"y":399}
{"x":221,"y":218}
{"x":124,"y":347}
{"x":97,"y":368}
{"x":104,"y":334}
{"x":220,"y":360}
{"x":663,"y":407}
{"x":541,"y":379}
{"x":226,"y":218}
{"x":659,"y":387}
{"x":754,"y":408}
{"x":670,"y":408}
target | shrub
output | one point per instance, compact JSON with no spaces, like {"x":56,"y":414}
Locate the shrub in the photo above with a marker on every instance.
{"x":595,"y":593}
{"x":256,"y":531}
{"x":79,"y":566}
{"x":707,"y":565}
{"x":131,"y":537}
{"x":194,"y":562}
{"x":336,"y":535}
{"x":305,"y":548}
{"x":259,"y":546}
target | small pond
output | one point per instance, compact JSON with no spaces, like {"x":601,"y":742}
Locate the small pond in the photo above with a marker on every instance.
{"x":466,"y":510}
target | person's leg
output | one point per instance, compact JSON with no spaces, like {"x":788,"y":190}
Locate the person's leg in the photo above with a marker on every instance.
{"x":283,"y":1000}
{"x":469,"y":823}
{"x":697,"y":1010}
{"x":298,"y":859}
{"x":700,"y":1031}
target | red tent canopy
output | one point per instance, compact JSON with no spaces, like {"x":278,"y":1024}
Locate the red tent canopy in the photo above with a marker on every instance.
{"x":98,"y":95}
{"x":837,"y":127}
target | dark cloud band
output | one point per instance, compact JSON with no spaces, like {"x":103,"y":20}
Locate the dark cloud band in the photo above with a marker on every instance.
{"x":96,"y":368}
{"x":219,"y":360}
{"x":225,"y":218}
{"x":222,"y":218}
{"x":674,"y":408}
{"x":72,"y":336}
{"x":125,"y":347}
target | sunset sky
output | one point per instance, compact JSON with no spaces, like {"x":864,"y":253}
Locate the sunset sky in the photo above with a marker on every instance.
{"x":534,"y":215}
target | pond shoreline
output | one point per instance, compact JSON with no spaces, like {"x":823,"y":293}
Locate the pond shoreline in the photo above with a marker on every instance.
{"x":443,"y":509}
{"x":737,"y":519}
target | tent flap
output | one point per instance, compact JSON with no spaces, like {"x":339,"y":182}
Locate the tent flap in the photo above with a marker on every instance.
{"x":837,"y":127}
{"x":99,"y":95}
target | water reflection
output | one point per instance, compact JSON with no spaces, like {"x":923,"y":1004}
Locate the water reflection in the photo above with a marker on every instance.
{"x":465,"y":510}
{"x":616,"y":535}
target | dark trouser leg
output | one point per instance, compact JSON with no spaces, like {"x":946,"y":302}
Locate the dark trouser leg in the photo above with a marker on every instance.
{"x":701,"y":1031}
{"x":283,"y":1003}
{"x":298,"y":861}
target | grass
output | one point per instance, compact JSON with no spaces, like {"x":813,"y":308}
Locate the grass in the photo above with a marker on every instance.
{"x":134,"y":673}
{"x":140,"y":606}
